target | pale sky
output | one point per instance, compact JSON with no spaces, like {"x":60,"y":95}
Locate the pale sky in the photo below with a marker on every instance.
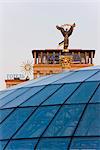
{"x":30,"y":24}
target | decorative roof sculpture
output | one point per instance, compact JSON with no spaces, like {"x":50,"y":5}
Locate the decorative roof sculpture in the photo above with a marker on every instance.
{"x":66,"y":33}
{"x":65,"y":58}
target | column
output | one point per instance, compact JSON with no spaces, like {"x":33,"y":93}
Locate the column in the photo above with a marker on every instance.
{"x":91,"y":57}
{"x":35,"y":61}
{"x":41,"y":57}
{"x":85,"y":57}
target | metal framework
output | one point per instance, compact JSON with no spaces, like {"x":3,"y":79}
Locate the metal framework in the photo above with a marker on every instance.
{"x":56,"y":125}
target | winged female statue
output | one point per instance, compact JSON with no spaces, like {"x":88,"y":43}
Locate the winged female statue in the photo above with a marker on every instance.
{"x":66,"y":33}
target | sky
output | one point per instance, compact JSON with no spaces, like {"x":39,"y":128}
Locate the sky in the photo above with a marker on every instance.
{"x":28,"y":24}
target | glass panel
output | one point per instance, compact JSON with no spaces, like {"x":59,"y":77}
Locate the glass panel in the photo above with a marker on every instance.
{"x":90,"y":123}
{"x":37,"y":81}
{"x":61,"y":95}
{"x":96,"y":96}
{"x":53,"y":144}
{"x":52,"y":78}
{"x":25,"y":96}
{"x":86,"y":143}
{"x":77,"y":76}
{"x":6,"y":93}
{"x":83,"y":93}
{"x":37,"y":123}
{"x":41,"y":96}
{"x":4,"y":113}
{"x":13,"y":122}
{"x":2,"y":92}
{"x":96,"y":77}
{"x":65,"y":121}
{"x":2,"y":144}
{"x":22,"y":144}
{"x":12,"y":96}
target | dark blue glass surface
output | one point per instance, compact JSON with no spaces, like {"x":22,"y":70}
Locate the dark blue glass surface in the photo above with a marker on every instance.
{"x":53,"y":144}
{"x":26,"y":144}
{"x":4,"y":113}
{"x":87,"y":143}
{"x":55,"y":112}
{"x":25,"y":96}
{"x":37,"y":123}
{"x":96,"y":77}
{"x":13,"y":122}
{"x":96,"y":96}
{"x":83,"y":93}
{"x":65,"y":121}
{"x":2,"y":144}
{"x":90,"y":123}
{"x":61,"y":95}
{"x":12,"y":96}
{"x":41,"y":96}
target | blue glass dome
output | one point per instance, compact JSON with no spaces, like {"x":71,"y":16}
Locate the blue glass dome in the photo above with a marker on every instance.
{"x":55,"y":112}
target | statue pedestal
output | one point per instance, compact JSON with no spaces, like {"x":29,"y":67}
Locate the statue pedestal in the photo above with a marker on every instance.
{"x":65,"y":50}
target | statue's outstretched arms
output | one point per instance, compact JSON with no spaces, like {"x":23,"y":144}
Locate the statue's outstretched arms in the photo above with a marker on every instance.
{"x":61,"y":29}
{"x":71,"y":29}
